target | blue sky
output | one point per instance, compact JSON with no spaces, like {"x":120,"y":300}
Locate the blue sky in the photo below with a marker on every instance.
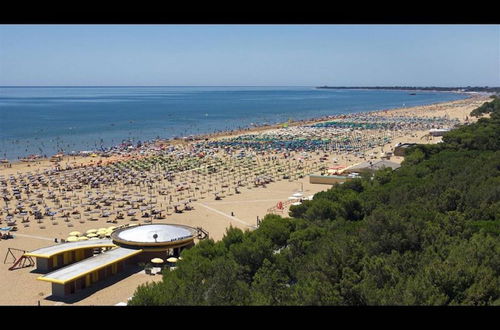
{"x":250,"y":55}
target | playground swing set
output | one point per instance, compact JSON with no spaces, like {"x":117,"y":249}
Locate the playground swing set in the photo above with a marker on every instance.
{"x":19,"y":262}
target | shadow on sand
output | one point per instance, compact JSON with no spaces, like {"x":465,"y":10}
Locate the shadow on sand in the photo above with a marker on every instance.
{"x":87,"y":292}
{"x":36,"y":271}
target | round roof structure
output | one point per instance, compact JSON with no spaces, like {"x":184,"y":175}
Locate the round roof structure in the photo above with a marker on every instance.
{"x":154,"y":235}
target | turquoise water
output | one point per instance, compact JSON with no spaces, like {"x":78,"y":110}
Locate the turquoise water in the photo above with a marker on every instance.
{"x":45,"y":120}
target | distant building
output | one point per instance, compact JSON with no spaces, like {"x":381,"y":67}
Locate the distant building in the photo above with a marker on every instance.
{"x":371,"y":166}
{"x":438,"y":131}
{"x":327,"y":179}
{"x":400,"y":149}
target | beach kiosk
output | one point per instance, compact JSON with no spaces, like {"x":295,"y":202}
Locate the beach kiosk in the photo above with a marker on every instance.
{"x":327,"y":179}
{"x":61,"y":255}
{"x":128,"y":245}
{"x":438,"y":131}
{"x":371,"y":166}
{"x":400,"y":149}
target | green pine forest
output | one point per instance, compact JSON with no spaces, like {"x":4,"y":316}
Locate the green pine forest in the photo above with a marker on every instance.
{"x":425,"y":234}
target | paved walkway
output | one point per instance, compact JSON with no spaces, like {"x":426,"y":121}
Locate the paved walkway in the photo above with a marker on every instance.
{"x":246,"y":201}
{"x":33,"y":236}
{"x":226,"y":215}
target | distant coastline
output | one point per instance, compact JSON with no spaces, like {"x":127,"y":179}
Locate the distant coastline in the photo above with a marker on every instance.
{"x":467,"y":89}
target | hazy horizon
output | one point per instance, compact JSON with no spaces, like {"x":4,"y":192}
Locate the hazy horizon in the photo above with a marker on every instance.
{"x":313,"y":86}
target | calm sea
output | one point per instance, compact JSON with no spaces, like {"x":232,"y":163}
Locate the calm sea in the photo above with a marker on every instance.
{"x":45,"y":120}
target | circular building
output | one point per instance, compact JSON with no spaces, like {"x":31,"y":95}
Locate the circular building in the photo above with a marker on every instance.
{"x":155,"y":240}
{"x":77,"y":267}
{"x":155,"y":237}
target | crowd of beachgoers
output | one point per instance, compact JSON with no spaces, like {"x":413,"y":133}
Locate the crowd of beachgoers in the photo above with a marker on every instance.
{"x":154,"y":178}
{"x":184,"y":180}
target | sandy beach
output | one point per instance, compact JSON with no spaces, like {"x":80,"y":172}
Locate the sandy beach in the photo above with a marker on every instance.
{"x":231,"y":184}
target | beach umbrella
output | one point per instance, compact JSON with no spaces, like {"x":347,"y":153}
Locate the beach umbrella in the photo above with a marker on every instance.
{"x":83,"y":238}
{"x":72,"y":239}
{"x":157,"y":260}
{"x":75,"y":233}
{"x":91,"y":231}
{"x":172,"y":259}
{"x":92,"y":235}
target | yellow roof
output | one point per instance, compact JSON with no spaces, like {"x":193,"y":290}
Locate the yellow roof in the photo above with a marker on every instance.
{"x":60,"y":248}
{"x":48,"y":279}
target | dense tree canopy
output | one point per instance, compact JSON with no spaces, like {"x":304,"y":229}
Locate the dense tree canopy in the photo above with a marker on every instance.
{"x":425,"y":234}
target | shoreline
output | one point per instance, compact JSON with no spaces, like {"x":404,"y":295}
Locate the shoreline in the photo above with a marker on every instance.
{"x":460,"y":90}
{"x":242,"y":204}
{"x":221,"y":134}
